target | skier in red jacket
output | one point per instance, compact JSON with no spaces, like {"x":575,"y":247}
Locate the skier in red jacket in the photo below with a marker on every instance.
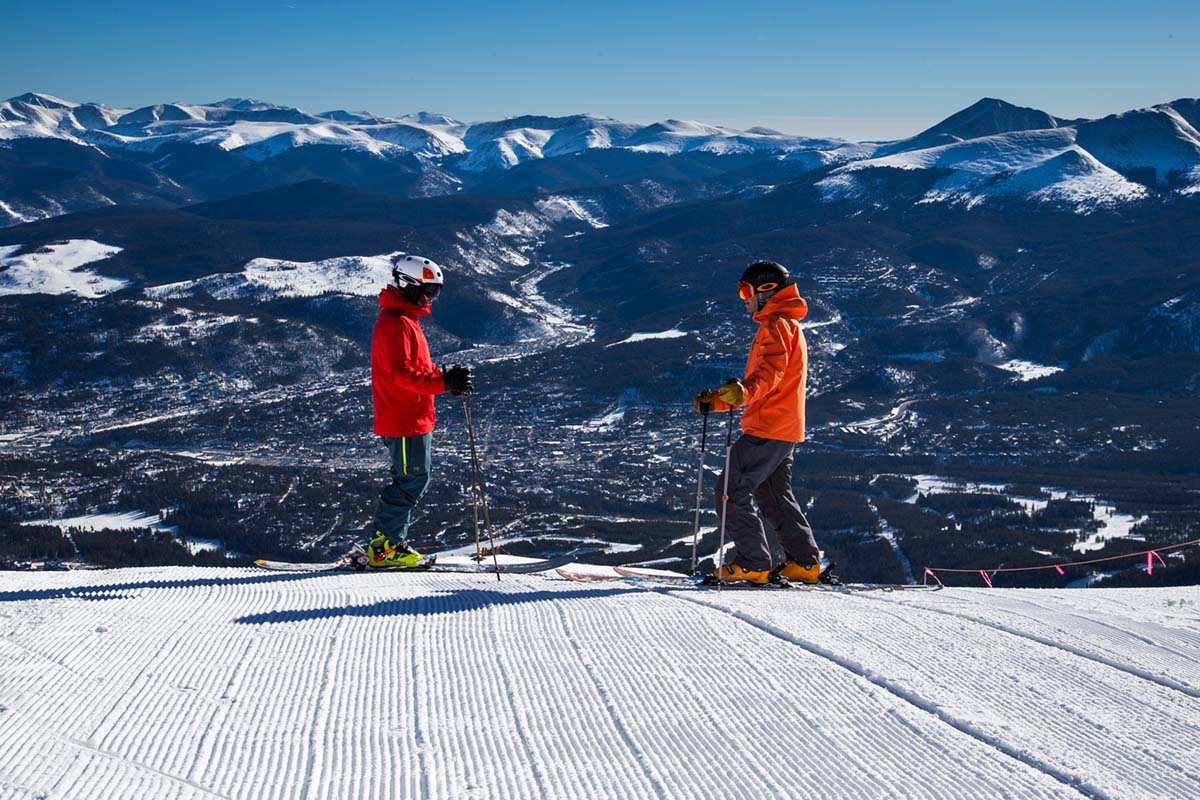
{"x":404,"y":381}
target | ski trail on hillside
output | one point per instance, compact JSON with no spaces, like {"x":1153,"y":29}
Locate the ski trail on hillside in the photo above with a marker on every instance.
{"x":553,"y":327}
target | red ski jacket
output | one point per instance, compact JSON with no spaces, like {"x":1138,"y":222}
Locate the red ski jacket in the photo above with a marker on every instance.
{"x":404,"y":379}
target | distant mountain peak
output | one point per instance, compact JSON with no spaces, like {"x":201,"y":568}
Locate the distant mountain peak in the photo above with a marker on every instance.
{"x":245,"y":104}
{"x":987,"y":116}
{"x":430,"y":118}
{"x":990,"y":116}
{"x":43,"y":100}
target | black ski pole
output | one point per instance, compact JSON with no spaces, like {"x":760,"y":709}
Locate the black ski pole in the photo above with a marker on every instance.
{"x":699,"y":491}
{"x":475,"y":516}
{"x":720,"y":559}
{"x":478,"y":482}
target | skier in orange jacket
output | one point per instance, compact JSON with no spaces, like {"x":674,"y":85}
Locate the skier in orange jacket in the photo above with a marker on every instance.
{"x":760,"y":462}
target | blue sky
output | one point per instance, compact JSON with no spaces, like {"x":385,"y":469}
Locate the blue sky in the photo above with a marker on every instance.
{"x":860,"y":70}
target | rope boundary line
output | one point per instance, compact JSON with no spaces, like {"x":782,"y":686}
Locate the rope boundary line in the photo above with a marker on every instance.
{"x":988,"y":574}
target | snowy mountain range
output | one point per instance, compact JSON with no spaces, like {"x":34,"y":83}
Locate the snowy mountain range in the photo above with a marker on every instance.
{"x":260,"y":130}
{"x":994,"y":150}
{"x":58,"y":156}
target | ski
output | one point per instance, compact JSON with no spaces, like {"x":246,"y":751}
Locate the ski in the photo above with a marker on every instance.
{"x":302,"y":566}
{"x":581,"y":576}
{"x":349,"y":564}
{"x":662,"y":579}
{"x":665,"y":576}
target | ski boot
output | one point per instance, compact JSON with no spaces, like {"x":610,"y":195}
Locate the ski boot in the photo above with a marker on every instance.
{"x":382,"y":554}
{"x":801,"y":574}
{"x":734,"y":573}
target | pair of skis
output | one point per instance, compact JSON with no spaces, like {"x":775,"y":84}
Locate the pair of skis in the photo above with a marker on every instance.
{"x":658,"y":577}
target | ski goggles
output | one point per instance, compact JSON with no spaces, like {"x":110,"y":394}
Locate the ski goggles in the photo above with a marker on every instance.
{"x":746,"y":290}
{"x":431,"y":290}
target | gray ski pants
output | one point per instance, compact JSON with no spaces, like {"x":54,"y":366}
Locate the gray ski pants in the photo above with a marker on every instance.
{"x":410,"y":458}
{"x":762,"y":468}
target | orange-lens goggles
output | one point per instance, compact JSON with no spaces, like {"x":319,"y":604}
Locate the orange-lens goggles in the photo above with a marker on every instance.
{"x":747,"y":290}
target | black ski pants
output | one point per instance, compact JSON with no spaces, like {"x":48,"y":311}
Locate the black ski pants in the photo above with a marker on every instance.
{"x":761,"y":469}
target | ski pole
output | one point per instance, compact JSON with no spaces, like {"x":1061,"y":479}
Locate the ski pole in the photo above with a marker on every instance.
{"x":699,"y":491}
{"x":725,"y":497}
{"x":477,"y":478}
{"x":474,"y":488}
{"x":475,"y":516}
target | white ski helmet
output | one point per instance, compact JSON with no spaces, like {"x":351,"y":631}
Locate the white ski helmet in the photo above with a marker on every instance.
{"x":417,"y":275}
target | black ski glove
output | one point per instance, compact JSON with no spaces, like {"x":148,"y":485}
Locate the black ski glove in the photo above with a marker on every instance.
{"x":457,"y":380}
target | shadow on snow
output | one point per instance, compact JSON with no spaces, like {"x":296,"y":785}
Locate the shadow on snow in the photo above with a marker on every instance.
{"x":443,"y":602}
{"x":117,"y":591}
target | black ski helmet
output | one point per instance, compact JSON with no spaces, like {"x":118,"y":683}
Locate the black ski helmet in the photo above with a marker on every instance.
{"x":765,"y":278}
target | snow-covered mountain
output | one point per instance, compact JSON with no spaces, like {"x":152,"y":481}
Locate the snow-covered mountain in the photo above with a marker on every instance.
{"x":987,"y":117}
{"x":1163,"y":141}
{"x":254,"y":128}
{"x":171,"y":153}
{"x":34,"y":116}
{"x":1044,"y":165}
{"x":199,"y":683}
{"x":995,"y":150}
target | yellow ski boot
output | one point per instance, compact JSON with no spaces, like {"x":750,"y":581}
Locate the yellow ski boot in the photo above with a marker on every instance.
{"x":733,"y":573}
{"x":801,"y":574}
{"x":382,"y":554}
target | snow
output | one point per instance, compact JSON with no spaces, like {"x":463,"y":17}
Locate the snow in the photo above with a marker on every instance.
{"x":262,"y":130}
{"x":673,"y":333}
{"x":557,"y":209}
{"x":587,"y":133}
{"x":1044,"y":165}
{"x":269,"y":279}
{"x":550,"y":326}
{"x":1157,"y":138}
{"x":1111,"y":523}
{"x":611,"y":419}
{"x":14,"y":216}
{"x":507,"y":150}
{"x":119,"y":520}
{"x":191,"y":325}
{"x":57,"y":269}
{"x":186,"y":682}
{"x":1028,"y":370}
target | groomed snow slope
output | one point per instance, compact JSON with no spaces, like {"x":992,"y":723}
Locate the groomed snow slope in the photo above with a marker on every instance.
{"x":183,"y":682}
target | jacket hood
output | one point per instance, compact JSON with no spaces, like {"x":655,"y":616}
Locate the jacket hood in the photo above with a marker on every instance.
{"x":390,"y":297}
{"x":786,"y":301}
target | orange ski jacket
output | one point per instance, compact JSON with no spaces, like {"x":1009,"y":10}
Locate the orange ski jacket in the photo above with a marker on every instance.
{"x":776,"y":371}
